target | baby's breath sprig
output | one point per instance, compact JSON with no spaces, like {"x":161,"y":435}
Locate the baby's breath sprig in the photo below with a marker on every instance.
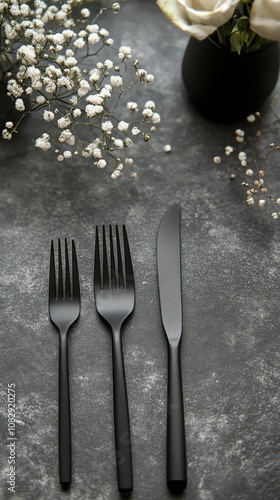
{"x":52,"y":65}
{"x":250,"y":156}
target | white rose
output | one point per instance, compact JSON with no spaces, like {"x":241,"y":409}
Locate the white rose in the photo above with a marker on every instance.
{"x":195,"y":18}
{"x":265,"y":19}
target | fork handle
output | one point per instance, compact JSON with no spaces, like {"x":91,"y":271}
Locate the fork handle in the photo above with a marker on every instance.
{"x":64,"y":413}
{"x":176,"y":447}
{"x":121,"y":418}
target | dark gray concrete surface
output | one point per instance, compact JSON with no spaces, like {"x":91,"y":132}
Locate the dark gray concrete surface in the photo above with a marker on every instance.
{"x":230,"y":280}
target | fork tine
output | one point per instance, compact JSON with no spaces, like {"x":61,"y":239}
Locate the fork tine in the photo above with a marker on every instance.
{"x":105,"y":262}
{"x":60,"y":277}
{"x":67,"y":272}
{"x":114,"y":283}
{"x":75,"y":274}
{"x":120,"y":264}
{"x":97,"y":269}
{"x":129,"y":276}
{"x":52,"y":279}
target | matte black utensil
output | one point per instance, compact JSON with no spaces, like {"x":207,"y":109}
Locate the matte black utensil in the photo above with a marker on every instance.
{"x":169,"y":279}
{"x":114,"y":300}
{"x":64,"y":309}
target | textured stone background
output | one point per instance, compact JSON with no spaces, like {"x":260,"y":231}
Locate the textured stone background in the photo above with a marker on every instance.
{"x":230,"y":265}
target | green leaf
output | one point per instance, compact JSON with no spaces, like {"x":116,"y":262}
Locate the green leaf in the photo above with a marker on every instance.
{"x":243,"y":23}
{"x":236,"y":41}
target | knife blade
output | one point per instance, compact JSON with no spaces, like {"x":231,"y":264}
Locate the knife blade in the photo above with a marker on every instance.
{"x":170,"y":294}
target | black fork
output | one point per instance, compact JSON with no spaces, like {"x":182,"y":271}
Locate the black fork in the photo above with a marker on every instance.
{"x":64,"y":309}
{"x":114,"y":300}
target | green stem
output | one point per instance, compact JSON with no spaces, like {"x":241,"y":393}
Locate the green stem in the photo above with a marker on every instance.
{"x":221,"y":36}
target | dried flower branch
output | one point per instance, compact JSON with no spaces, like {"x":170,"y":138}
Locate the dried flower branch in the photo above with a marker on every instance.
{"x":51,"y":64}
{"x":253,"y":153}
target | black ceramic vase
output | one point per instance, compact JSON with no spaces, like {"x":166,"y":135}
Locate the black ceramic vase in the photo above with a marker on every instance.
{"x":226,"y":86}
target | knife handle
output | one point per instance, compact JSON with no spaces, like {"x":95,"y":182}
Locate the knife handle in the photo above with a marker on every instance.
{"x":176,"y":445}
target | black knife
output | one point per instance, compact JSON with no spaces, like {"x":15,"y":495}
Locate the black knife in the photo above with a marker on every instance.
{"x":170,"y":293}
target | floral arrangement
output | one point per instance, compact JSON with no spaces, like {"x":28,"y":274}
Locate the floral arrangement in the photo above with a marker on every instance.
{"x":238,"y":25}
{"x":253,"y":151}
{"x":50,"y":63}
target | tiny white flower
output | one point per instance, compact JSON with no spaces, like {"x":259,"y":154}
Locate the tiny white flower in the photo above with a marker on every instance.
{"x":150,"y":104}
{"x":124,"y":52}
{"x":84,"y":88}
{"x":77,"y":113}
{"x":109,"y":42}
{"x":103,"y":32}
{"x":156,"y":118}
{"x":118,"y":143}
{"x":93,"y":110}
{"x":116,"y":81}
{"x":79,"y":43}
{"x":123,"y":126}
{"x":48,"y":115}
{"x":70,"y":61}
{"x":135,"y":131}
{"x":229,"y":150}
{"x":27,"y":54}
{"x":93,"y":38}
{"x":95,"y":99}
{"x":167,"y":148}
{"x":68,"y":34}
{"x":141,"y":73}
{"x":107,"y":126}
{"x":239,"y":132}
{"x":250,"y":200}
{"x":67,"y":154}
{"x":85,"y":13}
{"x":93,"y":28}
{"x":116,"y":7}
{"x":63,"y":122}
{"x":43,"y":142}
{"x":105,"y":93}
{"x":115,"y":174}
{"x":128,"y":142}
{"x":94,"y":75}
{"x":19,"y":105}
{"x":82,"y":34}
{"x":242,"y":156}
{"x":108,"y":63}
{"x":97,"y":153}
{"x":6,"y":134}
{"x":40,"y":99}
{"x":147,"y":112}
{"x":57,"y":38}
{"x":249,"y":172}
{"x":251,"y":118}
{"x":150,"y":78}
{"x":217,"y":159}
{"x":132,"y":106}
{"x":101,"y":163}
{"x":239,"y":138}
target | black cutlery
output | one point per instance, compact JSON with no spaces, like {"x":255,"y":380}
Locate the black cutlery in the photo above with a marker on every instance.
{"x":64,"y":310}
{"x":114,"y":300}
{"x":169,"y":279}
